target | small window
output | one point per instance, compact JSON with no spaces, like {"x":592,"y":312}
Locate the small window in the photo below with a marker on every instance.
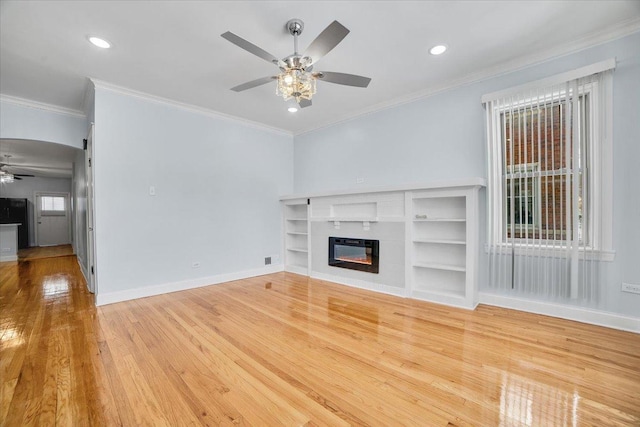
{"x":52,"y":205}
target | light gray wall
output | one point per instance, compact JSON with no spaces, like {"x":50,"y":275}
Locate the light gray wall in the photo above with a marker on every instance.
{"x":443,"y":137}
{"x":217,"y":186}
{"x":21,"y":122}
{"x":25,"y":189}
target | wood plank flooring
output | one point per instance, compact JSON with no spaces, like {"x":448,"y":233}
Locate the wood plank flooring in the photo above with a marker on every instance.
{"x":28,"y":254}
{"x":285,"y":350}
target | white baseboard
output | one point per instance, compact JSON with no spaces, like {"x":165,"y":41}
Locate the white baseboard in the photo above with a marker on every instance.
{"x":82,"y":270}
{"x":165,"y":288}
{"x":584,"y":315}
{"x":298,"y":270}
{"x":6,"y":258}
{"x":362,"y":284}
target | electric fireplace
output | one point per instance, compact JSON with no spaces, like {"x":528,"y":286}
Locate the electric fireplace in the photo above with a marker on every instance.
{"x":354,"y":254}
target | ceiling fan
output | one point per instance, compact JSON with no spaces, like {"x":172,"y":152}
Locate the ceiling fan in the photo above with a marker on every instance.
{"x":6,"y":176}
{"x":296,"y":79}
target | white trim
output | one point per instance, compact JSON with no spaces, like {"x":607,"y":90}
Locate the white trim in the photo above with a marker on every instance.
{"x":82,"y":270}
{"x":303,"y":271}
{"x":466,"y":182}
{"x":98,"y":84}
{"x":557,"y":79}
{"x":7,"y":258}
{"x":584,"y":315}
{"x":164,"y":288}
{"x":88,"y":98}
{"x":23,"y":102}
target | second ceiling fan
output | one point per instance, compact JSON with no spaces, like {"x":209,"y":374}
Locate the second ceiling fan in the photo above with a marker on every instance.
{"x":297,"y":79}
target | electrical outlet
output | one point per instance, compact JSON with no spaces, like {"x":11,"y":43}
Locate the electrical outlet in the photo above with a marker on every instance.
{"x":628,"y":287}
{"x":359,"y":180}
{"x":195,"y":264}
{"x":267,"y":260}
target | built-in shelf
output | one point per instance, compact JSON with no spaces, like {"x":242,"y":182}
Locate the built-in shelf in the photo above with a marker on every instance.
{"x":437,"y":266}
{"x":296,"y":236}
{"x":440,"y":220}
{"x":443,"y":231}
{"x":442,"y":241}
{"x":346,"y":219}
{"x":298,"y":250}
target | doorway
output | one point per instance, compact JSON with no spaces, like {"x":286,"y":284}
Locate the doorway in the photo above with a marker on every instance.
{"x":52,"y":219}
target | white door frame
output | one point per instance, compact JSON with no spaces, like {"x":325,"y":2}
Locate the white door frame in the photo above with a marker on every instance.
{"x":36,"y":210}
{"x":92,"y":282}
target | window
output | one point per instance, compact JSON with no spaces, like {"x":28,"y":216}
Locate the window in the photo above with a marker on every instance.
{"x":52,"y":205}
{"x":549,"y":186}
{"x":549,"y":161}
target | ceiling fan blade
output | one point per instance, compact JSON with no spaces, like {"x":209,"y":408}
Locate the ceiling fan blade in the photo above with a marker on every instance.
{"x":253,"y":83}
{"x":304,"y":103}
{"x":17,"y":177}
{"x":250,"y":47}
{"x":327,"y":40}
{"x":343,"y":78}
{"x":22,"y":174}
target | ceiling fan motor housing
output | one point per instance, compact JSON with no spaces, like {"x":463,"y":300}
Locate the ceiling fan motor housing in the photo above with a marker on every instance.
{"x":295,"y":26}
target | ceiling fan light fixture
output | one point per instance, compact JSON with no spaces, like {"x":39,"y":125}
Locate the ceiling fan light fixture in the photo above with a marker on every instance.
{"x":438,"y":49}
{"x":101,"y":43}
{"x":6,"y":178}
{"x":298,"y":84}
{"x":292,"y":109}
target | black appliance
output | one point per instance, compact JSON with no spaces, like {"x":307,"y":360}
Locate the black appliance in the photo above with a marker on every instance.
{"x":354,"y":254}
{"x":15,"y":211}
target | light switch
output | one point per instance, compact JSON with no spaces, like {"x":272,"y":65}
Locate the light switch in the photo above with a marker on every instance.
{"x":152,"y":191}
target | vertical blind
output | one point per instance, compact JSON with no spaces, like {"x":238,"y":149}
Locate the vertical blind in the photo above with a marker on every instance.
{"x":546,"y":145}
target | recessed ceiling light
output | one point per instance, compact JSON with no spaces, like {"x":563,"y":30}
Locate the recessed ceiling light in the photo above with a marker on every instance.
{"x":292,"y":109}
{"x":438,"y":50}
{"x":97,"y":41}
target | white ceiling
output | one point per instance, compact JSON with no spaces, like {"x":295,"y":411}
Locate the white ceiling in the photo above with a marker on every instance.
{"x":173,"y":49}
{"x":37,"y":158}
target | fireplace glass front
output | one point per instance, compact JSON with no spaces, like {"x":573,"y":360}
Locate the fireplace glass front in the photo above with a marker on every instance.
{"x":354,"y":254}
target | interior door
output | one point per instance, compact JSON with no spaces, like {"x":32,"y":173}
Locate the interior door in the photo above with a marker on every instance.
{"x":52,"y":219}
{"x":88,"y":157}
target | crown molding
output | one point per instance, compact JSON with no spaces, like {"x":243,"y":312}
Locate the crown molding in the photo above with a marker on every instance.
{"x":621,"y":30}
{"x":99,"y":84}
{"x":41,"y":106}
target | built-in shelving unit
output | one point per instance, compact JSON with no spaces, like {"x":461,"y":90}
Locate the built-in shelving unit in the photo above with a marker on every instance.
{"x":296,"y":239}
{"x":442,"y":252}
{"x":438,"y":231}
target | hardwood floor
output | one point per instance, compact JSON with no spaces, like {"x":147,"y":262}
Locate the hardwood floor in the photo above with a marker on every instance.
{"x":28,"y":254}
{"x":284,"y":350}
